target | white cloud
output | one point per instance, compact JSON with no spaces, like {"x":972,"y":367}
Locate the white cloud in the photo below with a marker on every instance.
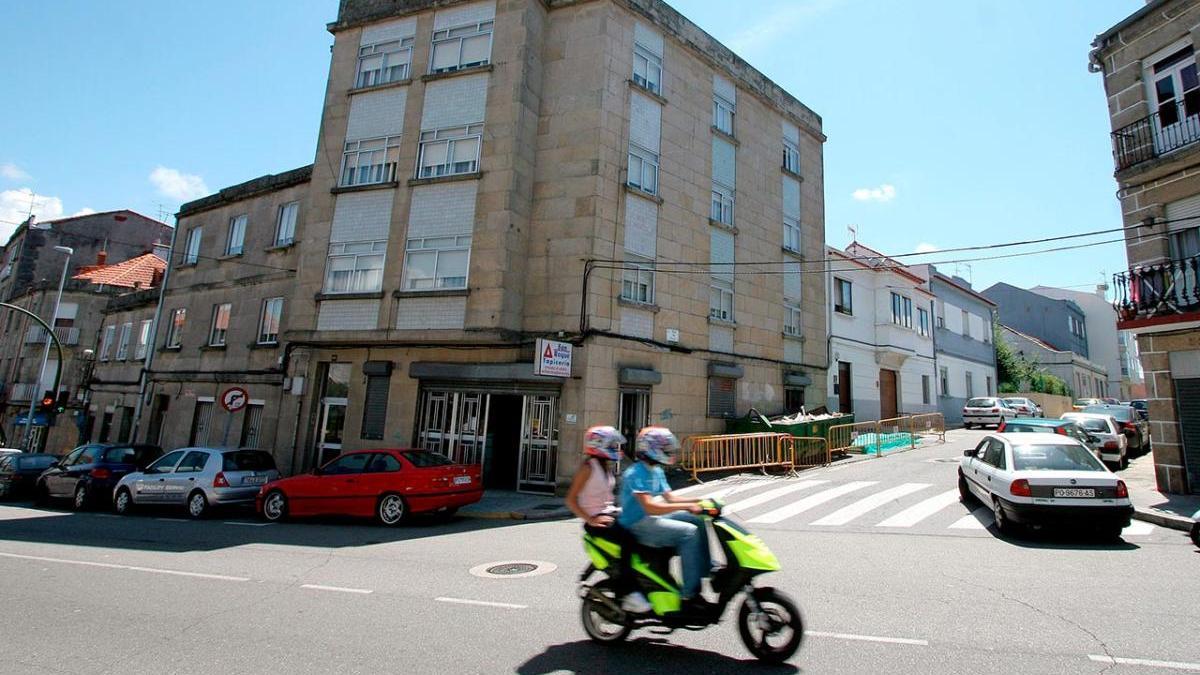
{"x":883,"y":193}
{"x":85,"y":211}
{"x":14,"y":209}
{"x":177,"y":185}
{"x":13,"y":172}
{"x":925,"y":247}
{"x":777,"y":24}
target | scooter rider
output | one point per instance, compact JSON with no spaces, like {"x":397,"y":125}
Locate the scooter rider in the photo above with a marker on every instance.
{"x":660,"y":519}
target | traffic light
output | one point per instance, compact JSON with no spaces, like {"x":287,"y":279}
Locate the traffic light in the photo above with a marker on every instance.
{"x":60,"y":405}
{"x":47,"y":402}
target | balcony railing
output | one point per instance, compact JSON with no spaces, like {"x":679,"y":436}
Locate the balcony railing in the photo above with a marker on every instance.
{"x":22,"y":391}
{"x":67,"y":335}
{"x":1164,"y":289}
{"x":1164,"y":131}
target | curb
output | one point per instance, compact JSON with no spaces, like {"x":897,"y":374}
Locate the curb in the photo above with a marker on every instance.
{"x":515,"y":515}
{"x":1163,"y":520}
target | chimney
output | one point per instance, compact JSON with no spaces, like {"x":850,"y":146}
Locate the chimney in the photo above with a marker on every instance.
{"x":156,"y":279}
{"x":101,"y":258}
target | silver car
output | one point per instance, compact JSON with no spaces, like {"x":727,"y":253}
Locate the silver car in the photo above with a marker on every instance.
{"x":197,"y":478}
{"x":1114,"y":445}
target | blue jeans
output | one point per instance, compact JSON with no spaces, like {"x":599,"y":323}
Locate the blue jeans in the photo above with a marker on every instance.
{"x":686,"y":534}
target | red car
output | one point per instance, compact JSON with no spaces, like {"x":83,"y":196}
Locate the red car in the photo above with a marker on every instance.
{"x":387,"y":484}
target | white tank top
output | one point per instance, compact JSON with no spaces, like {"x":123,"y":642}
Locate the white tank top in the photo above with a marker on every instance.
{"x":596,"y":497}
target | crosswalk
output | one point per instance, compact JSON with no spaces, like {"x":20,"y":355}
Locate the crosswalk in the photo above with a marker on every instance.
{"x":828,"y":504}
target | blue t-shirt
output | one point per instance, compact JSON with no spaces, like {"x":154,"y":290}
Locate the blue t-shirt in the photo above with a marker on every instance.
{"x":641,"y":477}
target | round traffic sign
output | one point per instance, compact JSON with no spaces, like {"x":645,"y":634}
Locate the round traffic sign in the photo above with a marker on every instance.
{"x":234,"y":399}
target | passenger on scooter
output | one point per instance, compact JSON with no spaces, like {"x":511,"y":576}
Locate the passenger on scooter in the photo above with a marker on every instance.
{"x":591,"y":496}
{"x":660,"y":519}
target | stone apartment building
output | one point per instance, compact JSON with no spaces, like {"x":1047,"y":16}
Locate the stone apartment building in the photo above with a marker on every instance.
{"x":1148,"y":62}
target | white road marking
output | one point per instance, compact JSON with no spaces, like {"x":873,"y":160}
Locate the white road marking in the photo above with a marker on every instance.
{"x":1137,"y":528}
{"x":735,"y":489}
{"x":174,"y":520}
{"x":866,"y":504}
{"x":1174,"y":665}
{"x":915,"y":514}
{"x":483,"y":603}
{"x":869,"y":638}
{"x":767,"y":496}
{"x":979,"y":519}
{"x":337,"y":589}
{"x":245,"y":524}
{"x":131,"y":568}
{"x":812,"y":501}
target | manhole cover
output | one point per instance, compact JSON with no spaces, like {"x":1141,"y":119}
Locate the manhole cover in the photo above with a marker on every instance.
{"x":513,"y":569}
{"x":509,"y":569}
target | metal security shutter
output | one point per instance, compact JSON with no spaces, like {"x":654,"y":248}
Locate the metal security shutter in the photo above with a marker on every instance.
{"x":722,"y":397}
{"x":1184,"y":208}
{"x":1187,"y":398}
{"x":375,"y":407}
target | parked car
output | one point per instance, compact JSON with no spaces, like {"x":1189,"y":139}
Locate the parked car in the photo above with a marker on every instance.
{"x":88,"y":473}
{"x":1042,"y":425}
{"x":1114,"y":445}
{"x":1081,"y":403}
{"x":1136,"y":429}
{"x":1143,"y":409}
{"x":985,"y":410}
{"x":1041,"y":479}
{"x":197,"y":478}
{"x":19,"y":472}
{"x":1025,"y":407}
{"x":386,"y":484}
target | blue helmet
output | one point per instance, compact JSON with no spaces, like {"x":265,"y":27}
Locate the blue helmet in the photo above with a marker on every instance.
{"x":657,"y":445}
{"x":604,"y":442}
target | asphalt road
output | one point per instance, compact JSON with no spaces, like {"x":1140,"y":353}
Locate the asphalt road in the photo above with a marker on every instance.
{"x":892,"y":576}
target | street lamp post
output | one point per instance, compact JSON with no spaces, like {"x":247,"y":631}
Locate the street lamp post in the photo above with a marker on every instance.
{"x":33,"y":397}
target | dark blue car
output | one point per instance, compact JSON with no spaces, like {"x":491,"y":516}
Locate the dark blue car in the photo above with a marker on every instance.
{"x":88,"y":474}
{"x":19,"y":471}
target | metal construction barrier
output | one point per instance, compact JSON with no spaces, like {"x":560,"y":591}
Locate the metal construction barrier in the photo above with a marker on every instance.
{"x":734,"y":451}
{"x":928,"y":424}
{"x":806,"y":452}
{"x":844,"y":438}
{"x":880,"y":436}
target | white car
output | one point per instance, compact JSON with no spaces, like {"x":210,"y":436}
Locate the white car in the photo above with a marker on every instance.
{"x":1042,"y":479}
{"x":986,"y":410}
{"x":1114,"y":444}
{"x":1025,"y":407}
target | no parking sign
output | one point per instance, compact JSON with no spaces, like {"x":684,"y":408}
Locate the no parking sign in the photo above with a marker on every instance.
{"x":234,"y":399}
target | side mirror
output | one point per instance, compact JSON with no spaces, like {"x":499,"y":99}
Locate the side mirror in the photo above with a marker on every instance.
{"x":968,"y":453}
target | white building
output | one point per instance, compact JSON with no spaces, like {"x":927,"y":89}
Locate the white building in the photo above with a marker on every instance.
{"x":1100,"y":327}
{"x":881,"y":336}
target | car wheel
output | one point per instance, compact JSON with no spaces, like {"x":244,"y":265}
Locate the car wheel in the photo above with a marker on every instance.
{"x":1196,"y":534}
{"x":966,"y":425}
{"x":1003,"y":524}
{"x":391,"y":510}
{"x":964,"y":490}
{"x":275,"y":506}
{"x":41,"y":494}
{"x":1123,"y":462}
{"x":1111,"y":533}
{"x":123,"y":502}
{"x":197,"y":505}
{"x":80,"y":502}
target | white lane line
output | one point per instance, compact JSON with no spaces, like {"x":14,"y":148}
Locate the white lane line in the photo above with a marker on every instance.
{"x":337,"y":589}
{"x":131,"y":568}
{"x":1173,"y":665}
{"x":979,"y":519}
{"x":812,"y":501}
{"x":736,"y":489}
{"x":174,"y":520}
{"x":767,"y":496}
{"x":869,"y":638}
{"x":1138,"y":528}
{"x":915,"y":514}
{"x":862,"y":506}
{"x":245,"y":524}
{"x":483,"y":603}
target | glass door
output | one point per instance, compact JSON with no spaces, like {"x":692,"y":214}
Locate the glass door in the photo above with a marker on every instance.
{"x":333,"y":422}
{"x":634,"y":415}
{"x":539,"y":444}
{"x":1175,"y":98}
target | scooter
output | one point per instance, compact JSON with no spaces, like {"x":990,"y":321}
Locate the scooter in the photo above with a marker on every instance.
{"x":769,"y":622}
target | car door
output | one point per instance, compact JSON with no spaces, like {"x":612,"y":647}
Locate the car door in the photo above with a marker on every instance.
{"x":973,"y":469}
{"x":52,"y":477}
{"x":382,"y":475}
{"x":999,"y":473}
{"x":185,"y":477}
{"x":338,"y":480}
{"x":987,"y":469}
{"x":150,"y":486}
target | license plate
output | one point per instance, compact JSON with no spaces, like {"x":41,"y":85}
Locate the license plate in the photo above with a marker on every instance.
{"x":1074,"y":492}
{"x":462,"y":480}
{"x":254,"y":480}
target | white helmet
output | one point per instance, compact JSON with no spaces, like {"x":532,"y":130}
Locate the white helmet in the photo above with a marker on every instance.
{"x":657,"y":445}
{"x":604,"y":442}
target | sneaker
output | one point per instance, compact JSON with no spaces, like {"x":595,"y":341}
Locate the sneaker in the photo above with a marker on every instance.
{"x":636,"y":603}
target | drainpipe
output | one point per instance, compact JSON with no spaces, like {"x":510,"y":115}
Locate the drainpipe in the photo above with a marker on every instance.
{"x":152,"y":343}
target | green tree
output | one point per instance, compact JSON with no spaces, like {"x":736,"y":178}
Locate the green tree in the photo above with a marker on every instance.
{"x":1017,"y":373}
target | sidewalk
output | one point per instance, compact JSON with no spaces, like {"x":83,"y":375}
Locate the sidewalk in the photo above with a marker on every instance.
{"x":505,"y":505}
{"x":1174,"y":511}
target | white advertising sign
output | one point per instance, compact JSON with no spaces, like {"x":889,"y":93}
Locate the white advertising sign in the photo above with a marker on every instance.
{"x":552,"y":358}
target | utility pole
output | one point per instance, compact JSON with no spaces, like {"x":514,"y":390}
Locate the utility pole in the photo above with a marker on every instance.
{"x":62,"y":280}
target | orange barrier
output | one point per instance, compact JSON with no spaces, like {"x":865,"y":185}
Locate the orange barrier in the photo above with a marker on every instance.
{"x":727,"y":452}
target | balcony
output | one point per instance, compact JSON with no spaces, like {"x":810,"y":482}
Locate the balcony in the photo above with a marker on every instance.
{"x":67,"y":335}
{"x":1163,"y":293}
{"x":1163,"y":132}
{"x":22,"y":391}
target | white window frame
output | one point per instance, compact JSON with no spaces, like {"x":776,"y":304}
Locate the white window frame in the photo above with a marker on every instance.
{"x":846,"y":308}
{"x":792,"y":319}
{"x":720,"y":300}
{"x":358,"y":252}
{"x":219,"y":337}
{"x":791,"y":156}
{"x":460,"y":34}
{"x":922,"y":322}
{"x":191,"y":249}
{"x":123,"y":342}
{"x":722,"y":203}
{"x":272,"y":308}
{"x":637,"y":279}
{"x":647,"y":69}
{"x":143,"y":342}
{"x":791,"y":234}
{"x":437,"y":246}
{"x":175,"y":328}
{"x":285,"y":223}
{"x":724,"y":114}
{"x":944,"y":380}
{"x":450,"y":137}
{"x":642,"y":171}
{"x":235,"y":243}
{"x":395,"y":62}
{"x":902,"y":310}
{"x":370,"y":161}
{"x":106,"y":343}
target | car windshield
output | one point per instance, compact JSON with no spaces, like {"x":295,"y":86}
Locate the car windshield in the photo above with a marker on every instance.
{"x":981,"y":403}
{"x":1094,"y":424}
{"x":1058,"y":457}
{"x":423,"y":458}
{"x":1121,"y":414}
{"x":248,"y":460}
{"x":1021,"y":427}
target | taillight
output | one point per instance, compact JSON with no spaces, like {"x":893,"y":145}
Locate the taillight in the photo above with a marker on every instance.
{"x":1060,"y":431}
{"x":100,"y":474}
{"x":1128,"y":426}
{"x":1122,"y":491}
{"x":995,"y":410}
{"x":220,"y":481}
{"x":1020,"y":488}
{"x":1003,"y":424}
{"x":1111,"y":445}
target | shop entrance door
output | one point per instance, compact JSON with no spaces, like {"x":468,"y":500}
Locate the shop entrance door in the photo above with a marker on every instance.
{"x":634,"y":415}
{"x":333,"y":421}
{"x":539,"y":444}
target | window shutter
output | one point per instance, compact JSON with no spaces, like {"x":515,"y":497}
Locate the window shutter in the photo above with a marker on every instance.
{"x":376,"y":402}
{"x":722,"y":396}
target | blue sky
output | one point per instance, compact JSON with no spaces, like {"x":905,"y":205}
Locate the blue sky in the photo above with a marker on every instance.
{"x":958,"y":123}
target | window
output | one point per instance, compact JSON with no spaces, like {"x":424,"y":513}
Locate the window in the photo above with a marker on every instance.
{"x":237,"y":235}
{"x":925,"y":389}
{"x":193,"y":462}
{"x":793,"y":399}
{"x":791,"y":156}
{"x":437,"y":262}
{"x":1176,"y":94}
{"x":370,"y":161}
{"x":647,"y":69}
{"x":791,"y":321}
{"x":65,"y":318}
{"x":220,"y":324}
{"x":268,"y":323}
{"x":941,"y":322}
{"x":966,"y":323}
{"x":201,"y":421}
{"x":722,"y":397}
{"x":901,"y":310}
{"x":643,"y":170}
{"x":461,"y":47}
{"x":922,"y":322}
{"x":175,"y":328}
{"x":252,"y":426}
{"x":168,"y":461}
{"x":994,"y":454}
{"x":383,"y":62}
{"x":345,"y":464}
{"x":989,"y":385}
{"x":355,"y":267}
{"x":191,"y":249}
{"x":1075,"y":326}
{"x":720,"y":300}
{"x":637,"y":280}
{"x":944,"y":380}
{"x":722,"y":204}
{"x":375,"y":405}
{"x":285,"y":226}
{"x":383,"y":463}
{"x":723,"y":112}
{"x":106,"y":421}
{"x":987,"y":332}
{"x":143,"y":339}
{"x":843,"y":296}
{"x":110,"y":334}
{"x":450,"y":152}
{"x":791,"y":234}
{"x":970,"y":385}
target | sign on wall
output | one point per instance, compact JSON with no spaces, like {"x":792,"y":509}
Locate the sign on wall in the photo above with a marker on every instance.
{"x":552,"y":358}
{"x":234,"y":399}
